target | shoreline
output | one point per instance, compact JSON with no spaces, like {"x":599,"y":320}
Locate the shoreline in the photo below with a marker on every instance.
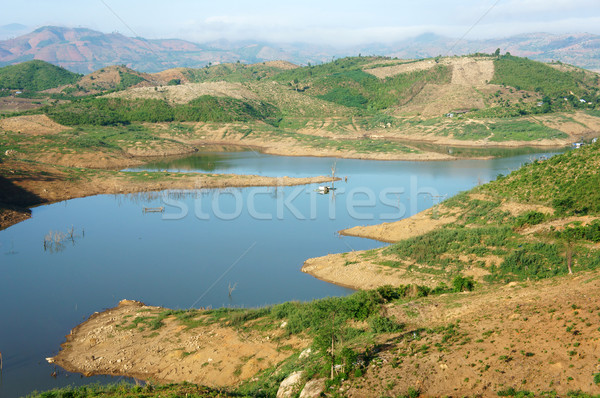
{"x":210,"y":354}
{"x":360,"y":271}
{"x":423,"y":155}
{"x":117,"y":342}
{"x":391,"y":232}
{"x":301,"y":151}
{"x":26,"y":185}
{"x":45,"y":171}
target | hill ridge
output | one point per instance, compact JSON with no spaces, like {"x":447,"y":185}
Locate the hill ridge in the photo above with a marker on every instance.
{"x":85,"y":50}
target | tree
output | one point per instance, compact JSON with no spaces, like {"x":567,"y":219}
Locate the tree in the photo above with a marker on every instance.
{"x":294,"y":84}
{"x":329,"y":339}
{"x":497,"y":53}
{"x":568,"y":236}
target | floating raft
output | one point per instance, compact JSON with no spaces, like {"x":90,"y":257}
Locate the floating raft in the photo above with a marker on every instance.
{"x":154,"y":209}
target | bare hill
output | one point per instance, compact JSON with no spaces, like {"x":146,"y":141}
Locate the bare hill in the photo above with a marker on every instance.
{"x":184,"y":93}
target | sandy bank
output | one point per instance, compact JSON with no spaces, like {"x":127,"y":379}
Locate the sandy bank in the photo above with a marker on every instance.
{"x":416,"y":225}
{"x":115,"y":342}
{"x":366,"y":269}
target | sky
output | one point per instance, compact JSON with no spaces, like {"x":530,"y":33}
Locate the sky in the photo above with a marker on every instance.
{"x":348,"y":22}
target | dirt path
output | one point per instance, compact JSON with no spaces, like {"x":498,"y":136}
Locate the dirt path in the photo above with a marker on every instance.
{"x":113,"y":343}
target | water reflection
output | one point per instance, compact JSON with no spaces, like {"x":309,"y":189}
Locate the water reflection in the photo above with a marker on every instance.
{"x":481,"y":152}
{"x":207,"y":160}
{"x":56,"y":241}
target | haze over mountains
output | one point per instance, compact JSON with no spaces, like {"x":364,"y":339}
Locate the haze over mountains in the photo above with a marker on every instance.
{"x":84,"y":50}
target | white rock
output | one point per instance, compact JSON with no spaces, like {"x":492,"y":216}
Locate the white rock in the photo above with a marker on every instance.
{"x":313,"y":388}
{"x":290,"y":386}
{"x":305,"y":353}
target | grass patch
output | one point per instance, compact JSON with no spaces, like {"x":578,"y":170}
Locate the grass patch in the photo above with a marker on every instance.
{"x":124,"y":390}
{"x":35,"y":76}
{"x":512,"y":129}
{"x":117,"y":111}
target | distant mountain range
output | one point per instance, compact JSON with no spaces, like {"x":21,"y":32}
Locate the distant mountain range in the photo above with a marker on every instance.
{"x":84,"y":50}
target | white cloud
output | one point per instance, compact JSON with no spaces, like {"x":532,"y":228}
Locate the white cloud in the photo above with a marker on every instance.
{"x":528,"y":10}
{"x":321,"y":21}
{"x":567,"y":25}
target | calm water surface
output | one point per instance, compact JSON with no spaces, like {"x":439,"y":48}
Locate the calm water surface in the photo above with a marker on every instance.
{"x":255,"y":238}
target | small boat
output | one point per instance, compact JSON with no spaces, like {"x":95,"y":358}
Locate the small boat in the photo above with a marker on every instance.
{"x":323,"y":189}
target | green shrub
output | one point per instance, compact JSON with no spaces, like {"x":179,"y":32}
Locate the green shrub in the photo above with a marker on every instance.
{"x":463,"y":284}
{"x":380,"y":324}
{"x":531,"y":260}
{"x":302,"y":316}
{"x":389,"y":293}
{"x":128,"y":79}
{"x":590,"y":232}
{"x":413,"y":393}
{"x":511,"y":392}
{"x":530,"y":218}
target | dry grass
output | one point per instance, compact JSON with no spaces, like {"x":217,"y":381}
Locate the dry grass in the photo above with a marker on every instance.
{"x":280,"y":64}
{"x":32,"y":125}
{"x":397,"y":69}
{"x":184,"y":93}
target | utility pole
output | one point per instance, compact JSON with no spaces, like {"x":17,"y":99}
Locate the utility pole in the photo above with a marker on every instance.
{"x":332,"y":347}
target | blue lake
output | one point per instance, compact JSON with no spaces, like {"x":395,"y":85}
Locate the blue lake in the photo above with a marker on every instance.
{"x":255,"y":239}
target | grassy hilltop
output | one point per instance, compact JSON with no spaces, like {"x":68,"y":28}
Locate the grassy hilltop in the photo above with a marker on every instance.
{"x":492,"y":98}
{"x":358,"y":107}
